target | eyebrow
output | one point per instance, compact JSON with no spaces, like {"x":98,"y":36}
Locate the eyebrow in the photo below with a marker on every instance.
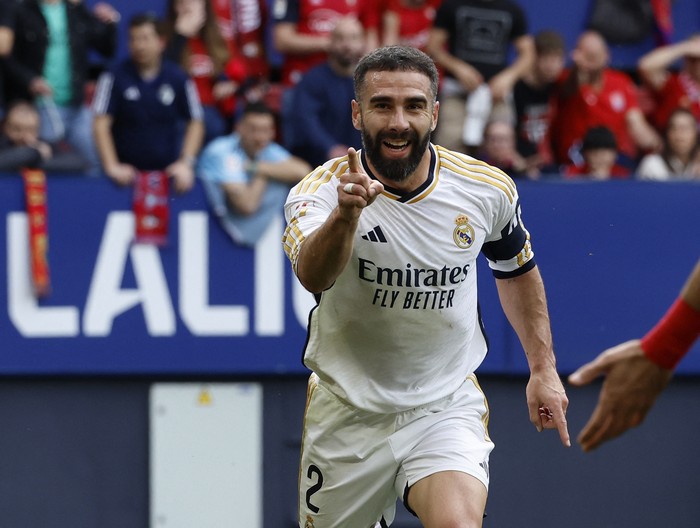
{"x":387,"y":99}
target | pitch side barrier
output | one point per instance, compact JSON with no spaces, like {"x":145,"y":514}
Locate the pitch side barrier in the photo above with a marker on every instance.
{"x":613,"y":255}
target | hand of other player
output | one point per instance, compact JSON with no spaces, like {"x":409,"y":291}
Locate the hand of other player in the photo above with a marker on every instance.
{"x":632,"y":384}
{"x":356,"y":190}
{"x":547,"y":403}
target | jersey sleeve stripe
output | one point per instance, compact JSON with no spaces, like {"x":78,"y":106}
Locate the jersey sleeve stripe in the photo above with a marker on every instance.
{"x":472,"y":163}
{"x":478,"y":175}
{"x":292,"y":242}
{"x":469,"y":165}
{"x":321,"y":175}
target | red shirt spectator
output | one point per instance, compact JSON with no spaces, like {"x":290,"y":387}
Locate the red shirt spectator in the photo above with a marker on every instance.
{"x":673,"y":90}
{"x":679,"y":91}
{"x":242,"y":24}
{"x":302,"y":32}
{"x":590,"y":106}
{"x":591,"y":94}
{"x":405,"y":22}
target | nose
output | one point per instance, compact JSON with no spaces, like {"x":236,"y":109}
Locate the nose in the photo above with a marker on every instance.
{"x":398,"y":120}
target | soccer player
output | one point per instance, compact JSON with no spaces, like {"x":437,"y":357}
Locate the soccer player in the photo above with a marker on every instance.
{"x":637,"y":371}
{"x":387,"y":240}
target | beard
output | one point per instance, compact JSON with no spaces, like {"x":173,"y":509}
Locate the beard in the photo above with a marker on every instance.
{"x":396,"y":170}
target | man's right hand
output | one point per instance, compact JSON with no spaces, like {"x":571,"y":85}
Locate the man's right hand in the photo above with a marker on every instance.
{"x":356,"y":190}
{"x":121,"y":173}
{"x":40,"y":88}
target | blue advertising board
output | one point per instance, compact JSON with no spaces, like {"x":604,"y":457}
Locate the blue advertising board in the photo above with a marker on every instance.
{"x":613,"y":255}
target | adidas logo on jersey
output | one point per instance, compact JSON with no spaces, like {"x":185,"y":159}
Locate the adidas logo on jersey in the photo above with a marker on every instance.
{"x":375,"y":235}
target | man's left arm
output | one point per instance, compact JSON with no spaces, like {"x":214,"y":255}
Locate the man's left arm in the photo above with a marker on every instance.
{"x":524,"y":303}
{"x":502,"y":83}
{"x":182,"y":170}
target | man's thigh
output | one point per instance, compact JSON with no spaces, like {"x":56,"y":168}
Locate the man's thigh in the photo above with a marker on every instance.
{"x":347,"y":468}
{"x":452,"y":446}
{"x":449,"y":498}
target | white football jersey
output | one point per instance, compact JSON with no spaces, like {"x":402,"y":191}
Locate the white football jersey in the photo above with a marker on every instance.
{"x":400,"y":326}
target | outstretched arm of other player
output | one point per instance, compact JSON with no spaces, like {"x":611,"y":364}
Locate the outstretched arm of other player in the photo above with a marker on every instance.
{"x":324,"y":255}
{"x":524,"y":303}
{"x":637,"y":371}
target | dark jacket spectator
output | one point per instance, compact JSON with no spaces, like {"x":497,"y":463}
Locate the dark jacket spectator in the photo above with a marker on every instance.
{"x":318,"y":123}
{"x":26,"y":62}
{"x":20,"y":146}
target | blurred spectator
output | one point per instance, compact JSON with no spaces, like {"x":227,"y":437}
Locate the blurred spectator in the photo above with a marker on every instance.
{"x":592,"y":94}
{"x":498,"y":148}
{"x":247,"y":176}
{"x":243,"y":24}
{"x":20,"y":146}
{"x":673,"y":89}
{"x":680,"y":157}
{"x":196,"y":44}
{"x":50,"y":63}
{"x":140,"y":106}
{"x":405,"y":22}
{"x":7,"y":36}
{"x":532,"y":102}
{"x":599,"y":151}
{"x":470,"y":41}
{"x":319,"y":124}
{"x":302,"y":30}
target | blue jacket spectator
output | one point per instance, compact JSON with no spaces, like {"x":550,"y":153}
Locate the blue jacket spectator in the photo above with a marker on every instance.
{"x":318,"y":122}
{"x":247,"y":176}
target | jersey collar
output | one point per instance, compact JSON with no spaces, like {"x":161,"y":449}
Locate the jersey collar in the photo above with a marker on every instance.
{"x":403,"y":196}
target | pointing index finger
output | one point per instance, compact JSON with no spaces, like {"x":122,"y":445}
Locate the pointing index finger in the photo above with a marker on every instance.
{"x":354,"y":161}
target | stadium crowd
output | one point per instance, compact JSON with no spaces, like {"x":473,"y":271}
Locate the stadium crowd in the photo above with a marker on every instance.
{"x":520,"y":101}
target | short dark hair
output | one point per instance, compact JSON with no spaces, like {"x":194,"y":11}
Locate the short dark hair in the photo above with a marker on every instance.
{"x":396,"y":58}
{"x":146,"y":18}
{"x":257,"y":107}
{"x":549,"y":41}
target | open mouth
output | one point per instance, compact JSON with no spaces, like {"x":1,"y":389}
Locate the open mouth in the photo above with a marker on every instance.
{"x":396,"y":145}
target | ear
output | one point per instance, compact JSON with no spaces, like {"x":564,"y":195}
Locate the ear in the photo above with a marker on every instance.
{"x":436,"y":111}
{"x":356,"y":115}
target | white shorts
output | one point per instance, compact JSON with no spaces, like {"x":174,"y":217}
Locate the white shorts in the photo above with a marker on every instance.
{"x":354,"y":463}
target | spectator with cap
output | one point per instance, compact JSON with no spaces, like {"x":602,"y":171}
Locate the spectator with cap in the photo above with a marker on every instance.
{"x":599,"y":151}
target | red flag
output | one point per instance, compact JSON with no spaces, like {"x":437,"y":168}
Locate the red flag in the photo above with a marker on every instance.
{"x":151,"y":208}
{"x":35,"y":195}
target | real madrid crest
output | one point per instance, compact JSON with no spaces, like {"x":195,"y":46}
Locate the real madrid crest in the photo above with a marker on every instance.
{"x":464,"y":233}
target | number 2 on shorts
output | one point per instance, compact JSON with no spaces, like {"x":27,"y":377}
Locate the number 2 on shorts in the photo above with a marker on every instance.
{"x":313,"y":489}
